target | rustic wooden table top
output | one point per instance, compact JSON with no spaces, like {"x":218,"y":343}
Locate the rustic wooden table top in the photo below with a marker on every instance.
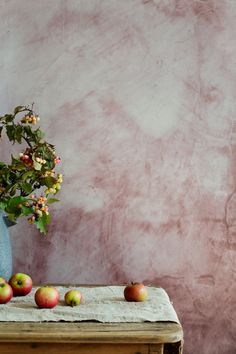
{"x":91,"y":332}
{"x":90,"y":337}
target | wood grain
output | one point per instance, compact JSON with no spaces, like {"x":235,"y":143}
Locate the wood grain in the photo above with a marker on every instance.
{"x":90,"y":337}
{"x":53,"y":348}
{"x":90,"y":332}
{"x":156,"y":349}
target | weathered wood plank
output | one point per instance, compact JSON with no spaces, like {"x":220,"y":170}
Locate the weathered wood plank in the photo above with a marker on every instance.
{"x":90,"y":332}
{"x":90,"y":338}
{"x":156,"y":349}
{"x":48,"y":348}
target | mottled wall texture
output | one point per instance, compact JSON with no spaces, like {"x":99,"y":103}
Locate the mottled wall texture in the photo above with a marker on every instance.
{"x":139,"y":98}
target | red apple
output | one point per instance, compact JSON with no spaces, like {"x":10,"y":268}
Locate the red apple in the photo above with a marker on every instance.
{"x":73,"y":297}
{"x":21,"y":284}
{"x":6,"y":293}
{"x":46,"y":297}
{"x":135,"y":292}
{"x":2,"y":280}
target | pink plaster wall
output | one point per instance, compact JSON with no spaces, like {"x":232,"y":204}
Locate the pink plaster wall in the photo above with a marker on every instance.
{"x":139,"y":98}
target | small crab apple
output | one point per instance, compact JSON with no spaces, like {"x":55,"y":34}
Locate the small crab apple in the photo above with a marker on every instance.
{"x":73,"y":297}
{"x":21,"y":284}
{"x":135,"y":292}
{"x":6,"y":293}
{"x":46,"y":297}
{"x":26,"y":159}
{"x":57,"y":159}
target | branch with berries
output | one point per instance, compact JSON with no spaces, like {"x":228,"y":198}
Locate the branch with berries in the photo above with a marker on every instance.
{"x":32,"y":170}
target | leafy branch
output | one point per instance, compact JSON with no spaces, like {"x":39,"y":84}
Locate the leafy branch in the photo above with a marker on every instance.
{"x":32,"y":170}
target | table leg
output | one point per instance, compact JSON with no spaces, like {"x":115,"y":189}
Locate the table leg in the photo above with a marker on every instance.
{"x":181,"y":347}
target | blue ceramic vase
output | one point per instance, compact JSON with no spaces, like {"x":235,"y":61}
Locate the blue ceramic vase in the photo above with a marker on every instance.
{"x":5,"y":247}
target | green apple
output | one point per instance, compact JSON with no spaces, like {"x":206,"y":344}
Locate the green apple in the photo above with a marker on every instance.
{"x":73,"y":297}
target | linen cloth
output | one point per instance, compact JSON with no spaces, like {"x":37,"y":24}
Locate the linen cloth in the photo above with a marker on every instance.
{"x":103,"y":304}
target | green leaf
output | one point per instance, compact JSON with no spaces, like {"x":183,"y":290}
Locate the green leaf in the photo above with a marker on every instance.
{"x":14,"y":212}
{"x":13,"y":205}
{"x":27,"y":129}
{"x":3,"y":205}
{"x":9,"y":118}
{"x":27,"y":175}
{"x":40,"y":225}
{"x":16,"y":200}
{"x":42,"y":222}
{"x":1,"y":128}
{"x":19,"y":166}
{"x":37,"y":166}
{"x":18,"y":133}
{"x":10,"y":132}
{"x":27,"y":187}
{"x":18,"y":109}
{"x":12,"y":217}
{"x":47,"y":181}
{"x":47,"y":218}
{"x":29,"y":133}
{"x":12,"y":191}
{"x":26,"y":210}
{"x":6,"y":177}
{"x":14,"y":160}
{"x":39,"y":134}
{"x":52,"y":200}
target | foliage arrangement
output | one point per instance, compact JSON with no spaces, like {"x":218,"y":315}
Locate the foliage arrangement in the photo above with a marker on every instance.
{"x":32,"y":170}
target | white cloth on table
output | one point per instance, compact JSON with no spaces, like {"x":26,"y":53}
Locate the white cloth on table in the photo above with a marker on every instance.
{"x":102,"y":303}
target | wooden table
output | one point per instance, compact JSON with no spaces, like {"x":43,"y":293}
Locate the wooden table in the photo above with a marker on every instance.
{"x":90,"y":338}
